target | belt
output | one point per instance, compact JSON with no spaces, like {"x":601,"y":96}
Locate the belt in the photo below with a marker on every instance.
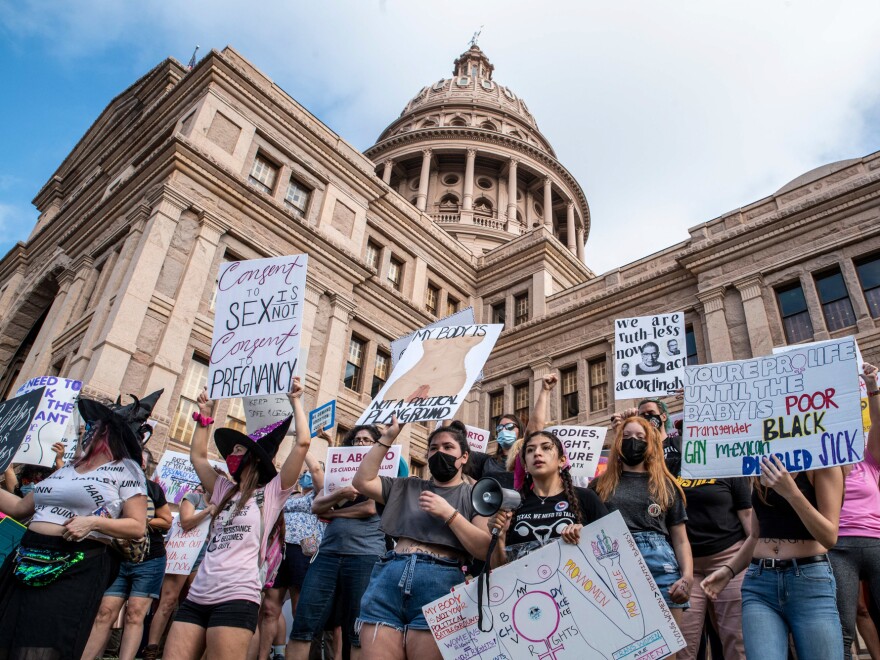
{"x":783,"y":564}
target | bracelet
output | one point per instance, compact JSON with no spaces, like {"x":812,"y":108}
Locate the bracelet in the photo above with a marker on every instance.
{"x":874,"y":393}
{"x":383,"y":444}
{"x":732,"y":574}
{"x":201,"y":420}
{"x":451,"y":518}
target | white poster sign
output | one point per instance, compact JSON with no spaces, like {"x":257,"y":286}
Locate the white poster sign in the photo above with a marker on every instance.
{"x":51,"y":421}
{"x":463,"y":317}
{"x":343,"y":463}
{"x":478,"y":439}
{"x":177,"y":476}
{"x":583,"y":444}
{"x":649,"y":355}
{"x":801,"y":405}
{"x":182,"y":548}
{"x":257,"y":326}
{"x":260,"y":411}
{"x":434,"y":375}
{"x":562,"y":602}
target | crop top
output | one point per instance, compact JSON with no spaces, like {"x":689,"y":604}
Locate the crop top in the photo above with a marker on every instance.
{"x":777,"y":519}
{"x":66,"y":493}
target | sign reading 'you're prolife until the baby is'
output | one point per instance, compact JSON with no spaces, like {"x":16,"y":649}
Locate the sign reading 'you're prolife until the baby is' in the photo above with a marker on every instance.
{"x":257,"y":327}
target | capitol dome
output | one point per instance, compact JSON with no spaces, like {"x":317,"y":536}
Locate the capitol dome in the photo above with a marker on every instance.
{"x":467,"y":151}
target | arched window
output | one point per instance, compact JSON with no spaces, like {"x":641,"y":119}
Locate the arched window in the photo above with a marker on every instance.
{"x":489,"y":126}
{"x":458,"y":121}
{"x":449,"y":201}
{"x":429,"y":123}
{"x":483,"y":205}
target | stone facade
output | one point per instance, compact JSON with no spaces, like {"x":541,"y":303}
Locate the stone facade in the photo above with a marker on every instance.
{"x":186,"y":169}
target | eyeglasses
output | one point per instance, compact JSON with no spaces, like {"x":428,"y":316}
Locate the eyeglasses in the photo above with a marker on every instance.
{"x":510,"y":426}
{"x":364,"y":441}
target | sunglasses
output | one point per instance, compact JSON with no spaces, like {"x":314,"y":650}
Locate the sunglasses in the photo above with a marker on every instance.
{"x":510,"y":426}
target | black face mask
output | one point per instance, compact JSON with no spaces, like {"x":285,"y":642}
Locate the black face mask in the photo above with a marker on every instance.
{"x":632,"y":451}
{"x":442,"y":467}
{"x":655,"y":420}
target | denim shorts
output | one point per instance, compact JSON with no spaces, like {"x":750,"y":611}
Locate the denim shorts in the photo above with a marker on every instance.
{"x":660,"y":558}
{"x":142,"y":580}
{"x":402,"y":584}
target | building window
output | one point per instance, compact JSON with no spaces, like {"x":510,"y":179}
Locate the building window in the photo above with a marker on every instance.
{"x":372,"y":256}
{"x":354,"y":364}
{"x":598,"y":384}
{"x":690,"y":340}
{"x":499,"y":312}
{"x":235,"y":417}
{"x":869,"y":275}
{"x":380,"y":372}
{"x":432,"y":295}
{"x":297,"y":197}
{"x":570,"y":406}
{"x":836,"y":305}
{"x":395,"y":273}
{"x":263,"y":175}
{"x":795,"y":315}
{"x":452,"y":305}
{"x":496,"y":409}
{"x":521,"y":402}
{"x":182,"y":424}
{"x":521,"y":308}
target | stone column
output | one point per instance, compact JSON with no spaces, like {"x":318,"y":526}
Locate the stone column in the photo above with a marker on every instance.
{"x":422,"y":199}
{"x":90,"y":280}
{"x":570,"y":231}
{"x":580,"y":243}
{"x":39,"y":359}
{"x":311,"y":301}
{"x":335,"y":347}
{"x":863,"y":315}
{"x":548,"y":203}
{"x":751,"y":291}
{"x":511,"y":194}
{"x":386,"y":171}
{"x":12,"y":284}
{"x":467,"y":203}
{"x":817,"y":316}
{"x":716,"y":325}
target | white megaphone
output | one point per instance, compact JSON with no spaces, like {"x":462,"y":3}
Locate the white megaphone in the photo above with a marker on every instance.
{"x":488,"y":497}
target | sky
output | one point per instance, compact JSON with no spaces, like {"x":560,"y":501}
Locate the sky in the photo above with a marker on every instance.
{"x":669,"y":114}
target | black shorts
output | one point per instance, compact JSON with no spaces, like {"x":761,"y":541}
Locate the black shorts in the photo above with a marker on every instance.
{"x":293,"y":568}
{"x":231,"y":614}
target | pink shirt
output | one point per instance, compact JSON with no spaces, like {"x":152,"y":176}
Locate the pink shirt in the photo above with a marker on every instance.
{"x":860,"y":515}
{"x":231,"y":568}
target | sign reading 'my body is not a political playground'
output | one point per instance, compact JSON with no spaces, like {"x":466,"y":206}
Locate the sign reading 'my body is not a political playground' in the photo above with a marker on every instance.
{"x":650,"y":353}
{"x":257,"y":326}
{"x":802,"y":406}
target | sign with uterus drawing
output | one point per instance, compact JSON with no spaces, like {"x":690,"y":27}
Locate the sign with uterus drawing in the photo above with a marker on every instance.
{"x":596,"y":599}
{"x":434,"y":375}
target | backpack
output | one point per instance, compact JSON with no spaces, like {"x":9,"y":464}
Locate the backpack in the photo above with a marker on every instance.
{"x":270,"y":561}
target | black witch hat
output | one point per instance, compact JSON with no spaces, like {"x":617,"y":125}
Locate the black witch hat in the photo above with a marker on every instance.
{"x":263,"y":444}
{"x":138,"y":412}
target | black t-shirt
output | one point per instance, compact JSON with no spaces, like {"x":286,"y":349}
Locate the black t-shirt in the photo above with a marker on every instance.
{"x":712,"y":505}
{"x":639,"y":511}
{"x":481,"y":465}
{"x":157,"y":536}
{"x":672,"y":454}
{"x":541,"y":520}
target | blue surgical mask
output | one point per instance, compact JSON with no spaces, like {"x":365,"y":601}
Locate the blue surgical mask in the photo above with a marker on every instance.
{"x":506,"y":438}
{"x":305,"y":481}
{"x":27,"y":488}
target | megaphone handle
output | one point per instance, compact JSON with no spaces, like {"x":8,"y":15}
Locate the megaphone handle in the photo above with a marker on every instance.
{"x":484,"y":577}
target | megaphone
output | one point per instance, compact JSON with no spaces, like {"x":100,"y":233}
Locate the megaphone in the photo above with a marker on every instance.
{"x":488,"y":497}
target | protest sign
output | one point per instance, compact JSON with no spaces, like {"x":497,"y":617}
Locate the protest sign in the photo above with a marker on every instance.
{"x":260,"y":411}
{"x":51,"y":421}
{"x":801,"y":405}
{"x":182,"y":548}
{"x":434,"y":375}
{"x":11,"y":532}
{"x":478,"y":439}
{"x":322,"y":417}
{"x":257,"y":325}
{"x":17,"y":423}
{"x":177,"y":476}
{"x":463,"y":317}
{"x":596,"y":599}
{"x":343,"y":462}
{"x":649,"y":355}
{"x":583,"y":444}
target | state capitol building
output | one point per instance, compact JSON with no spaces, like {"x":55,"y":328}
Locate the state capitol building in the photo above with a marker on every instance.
{"x":461,"y":202}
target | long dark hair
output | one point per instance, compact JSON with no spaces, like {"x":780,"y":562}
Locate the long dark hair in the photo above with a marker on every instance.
{"x":565,"y":474}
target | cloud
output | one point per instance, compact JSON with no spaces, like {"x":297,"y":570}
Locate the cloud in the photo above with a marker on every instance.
{"x":669,"y":114}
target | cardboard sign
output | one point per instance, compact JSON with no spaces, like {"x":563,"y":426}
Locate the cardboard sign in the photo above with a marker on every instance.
{"x":51,"y":420}
{"x":17,"y":423}
{"x":649,"y":355}
{"x":463,"y":317}
{"x":478,"y":439}
{"x":583,"y":444}
{"x":322,"y":417}
{"x":260,"y":411}
{"x":343,"y":463}
{"x":801,"y":405}
{"x":257,"y":324}
{"x":177,"y":476}
{"x":11,"y":532}
{"x":596,"y":599}
{"x":434,"y":375}
{"x":182,"y":548}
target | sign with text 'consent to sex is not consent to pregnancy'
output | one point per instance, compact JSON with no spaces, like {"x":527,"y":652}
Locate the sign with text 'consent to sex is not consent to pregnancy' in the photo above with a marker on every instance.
{"x":434,"y":374}
{"x":257,"y":327}
{"x":802,"y":406}
{"x":649,"y":355}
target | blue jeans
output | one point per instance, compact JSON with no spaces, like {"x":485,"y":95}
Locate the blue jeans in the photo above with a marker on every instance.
{"x":330,"y":577}
{"x":662,"y":562}
{"x":800,"y":600}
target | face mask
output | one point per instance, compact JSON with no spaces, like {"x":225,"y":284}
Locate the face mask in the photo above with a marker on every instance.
{"x":655,"y":420}
{"x":233,"y":462}
{"x":633,"y":450}
{"x":506,"y":438}
{"x":305,"y":481}
{"x":27,"y":488}
{"x":442,"y":467}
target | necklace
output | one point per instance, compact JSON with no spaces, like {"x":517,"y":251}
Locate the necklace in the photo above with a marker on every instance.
{"x":545,"y":497}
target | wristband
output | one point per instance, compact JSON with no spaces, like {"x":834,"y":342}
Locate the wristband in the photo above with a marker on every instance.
{"x":383,"y":444}
{"x":451,"y":518}
{"x":874,"y":393}
{"x":201,"y":420}
{"x":732,"y":574}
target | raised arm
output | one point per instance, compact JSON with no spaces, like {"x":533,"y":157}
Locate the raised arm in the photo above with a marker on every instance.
{"x":11,"y":480}
{"x":198,"y":450}
{"x":869,"y":374}
{"x":538,"y":420}
{"x":366,"y":480}
{"x":314,"y":467}
{"x":292,"y":466}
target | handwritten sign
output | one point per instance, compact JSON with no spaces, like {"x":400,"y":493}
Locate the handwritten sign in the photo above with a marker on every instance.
{"x":182,"y":548}
{"x":596,"y":599}
{"x":52,"y":418}
{"x":649,"y":355}
{"x":257,"y":324}
{"x":478,"y":439}
{"x":434,"y":375}
{"x":322,"y":417}
{"x":583,"y":444}
{"x":177,"y":476}
{"x":343,"y":463}
{"x":16,"y":423}
{"x":260,"y":411}
{"x":801,"y":405}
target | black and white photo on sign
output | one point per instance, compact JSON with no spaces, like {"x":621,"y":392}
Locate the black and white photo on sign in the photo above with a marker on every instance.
{"x":648,"y":355}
